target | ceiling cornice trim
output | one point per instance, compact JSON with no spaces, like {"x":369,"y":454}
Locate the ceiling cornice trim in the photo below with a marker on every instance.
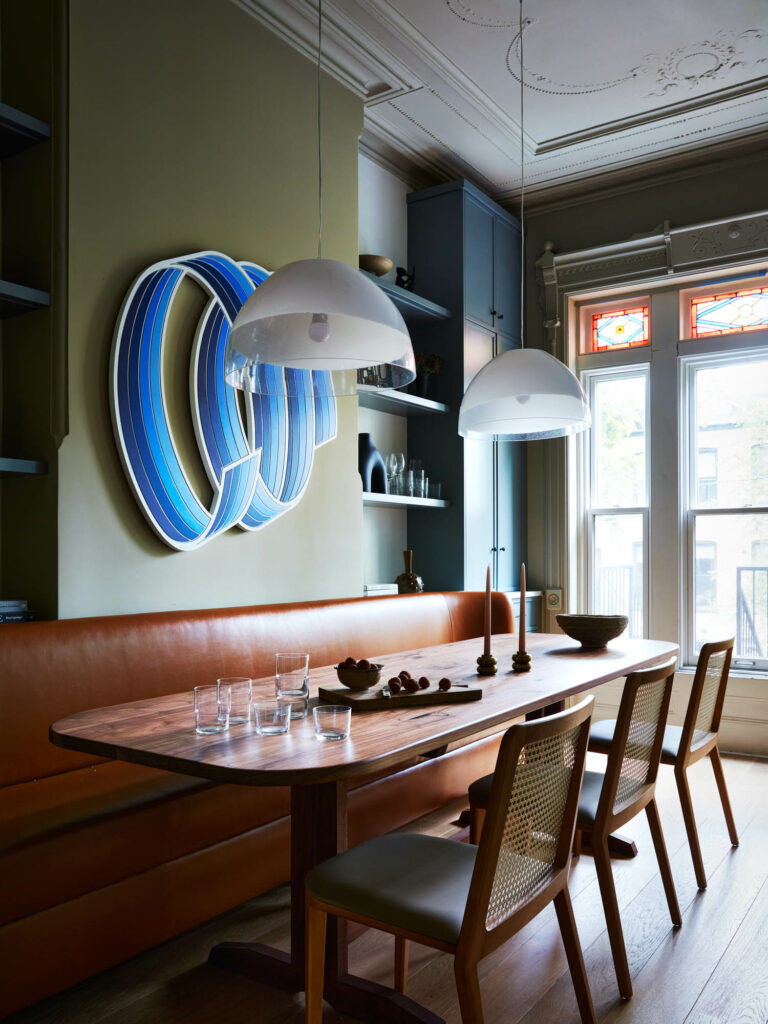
{"x":608,"y":128}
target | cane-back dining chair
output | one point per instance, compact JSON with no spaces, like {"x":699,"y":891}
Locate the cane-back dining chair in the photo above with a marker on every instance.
{"x":609,"y":800}
{"x":696,"y":738}
{"x":463,"y":899}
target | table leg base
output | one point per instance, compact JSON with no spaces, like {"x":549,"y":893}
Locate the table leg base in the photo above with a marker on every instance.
{"x":619,"y":846}
{"x":270,"y":966}
{"x":376,"y":1004}
{"x":354,"y":997}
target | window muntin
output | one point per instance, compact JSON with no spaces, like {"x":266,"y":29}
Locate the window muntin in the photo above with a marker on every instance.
{"x":619,"y":329}
{"x":729,"y":312}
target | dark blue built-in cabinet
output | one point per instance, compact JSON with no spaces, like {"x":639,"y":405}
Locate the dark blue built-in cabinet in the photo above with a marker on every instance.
{"x":466,"y":253}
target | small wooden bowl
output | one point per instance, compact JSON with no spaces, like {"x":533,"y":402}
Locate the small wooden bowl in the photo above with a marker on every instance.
{"x":359,"y":678}
{"x":592,"y":631}
{"x":378,"y":265}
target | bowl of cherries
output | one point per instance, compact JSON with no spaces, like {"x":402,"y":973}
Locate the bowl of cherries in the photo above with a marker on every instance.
{"x":358,"y":675}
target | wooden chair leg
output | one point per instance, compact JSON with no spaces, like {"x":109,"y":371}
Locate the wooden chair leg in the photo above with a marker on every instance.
{"x":476,"y":819}
{"x":612,"y":917}
{"x":690,"y":827}
{"x":657,"y":835}
{"x":468,"y":988}
{"x":401,"y":963}
{"x":717,"y":766}
{"x":577,"y":842}
{"x":574,"y":956}
{"x":315,"y":963}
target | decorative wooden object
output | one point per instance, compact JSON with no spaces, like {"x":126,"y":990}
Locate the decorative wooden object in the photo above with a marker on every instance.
{"x":374,"y":700}
{"x":160,"y":733}
{"x":486,"y":663}
{"x":521,"y":660}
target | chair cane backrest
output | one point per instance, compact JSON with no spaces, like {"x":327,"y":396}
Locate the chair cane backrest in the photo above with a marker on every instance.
{"x":532,"y":807}
{"x":702,"y":719}
{"x":633,"y":760}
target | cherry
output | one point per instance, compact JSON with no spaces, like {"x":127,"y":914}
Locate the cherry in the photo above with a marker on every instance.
{"x":423,"y":683}
{"x":445,"y":683}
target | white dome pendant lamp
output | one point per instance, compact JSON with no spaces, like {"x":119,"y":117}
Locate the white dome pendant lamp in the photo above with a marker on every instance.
{"x":320,"y":314}
{"x":524,"y":394}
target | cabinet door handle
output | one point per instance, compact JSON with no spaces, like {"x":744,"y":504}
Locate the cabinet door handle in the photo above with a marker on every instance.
{"x":492,"y":312}
{"x":494,"y":549}
{"x":502,"y":549}
{"x":499,"y":316}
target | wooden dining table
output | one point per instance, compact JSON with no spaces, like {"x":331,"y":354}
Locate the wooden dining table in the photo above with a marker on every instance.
{"x":160,"y":733}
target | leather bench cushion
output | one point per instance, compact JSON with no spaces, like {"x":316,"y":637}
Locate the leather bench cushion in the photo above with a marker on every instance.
{"x":68,"y":834}
{"x":49,"y":670}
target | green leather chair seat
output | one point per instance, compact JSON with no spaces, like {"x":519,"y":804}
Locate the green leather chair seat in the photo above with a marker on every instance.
{"x":419,"y":883}
{"x":601,"y":737}
{"x":591,"y":789}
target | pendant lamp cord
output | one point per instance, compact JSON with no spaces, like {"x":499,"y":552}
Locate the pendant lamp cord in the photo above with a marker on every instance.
{"x":319,"y":132}
{"x":522,"y":193}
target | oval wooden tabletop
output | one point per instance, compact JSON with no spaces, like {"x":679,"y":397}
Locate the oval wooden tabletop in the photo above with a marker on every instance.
{"x":160,"y":732}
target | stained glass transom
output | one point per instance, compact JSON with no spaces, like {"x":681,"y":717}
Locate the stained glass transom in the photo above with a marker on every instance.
{"x":619,"y":328}
{"x":732,"y":311}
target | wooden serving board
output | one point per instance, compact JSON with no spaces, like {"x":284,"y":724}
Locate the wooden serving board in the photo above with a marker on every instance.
{"x":372,"y":700}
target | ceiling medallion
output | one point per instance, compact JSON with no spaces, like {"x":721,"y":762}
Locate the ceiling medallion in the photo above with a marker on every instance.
{"x":684,"y":67}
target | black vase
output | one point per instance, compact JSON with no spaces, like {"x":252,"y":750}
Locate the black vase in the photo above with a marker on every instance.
{"x":371,"y":466}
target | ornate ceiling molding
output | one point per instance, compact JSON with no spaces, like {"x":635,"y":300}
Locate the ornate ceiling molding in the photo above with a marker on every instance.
{"x":428,"y":118}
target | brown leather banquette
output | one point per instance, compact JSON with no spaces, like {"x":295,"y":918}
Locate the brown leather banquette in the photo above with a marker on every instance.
{"x":100,"y":860}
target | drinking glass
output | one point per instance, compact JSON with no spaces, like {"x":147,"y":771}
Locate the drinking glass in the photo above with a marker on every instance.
{"x":212,"y":705}
{"x":240,"y":689}
{"x":272,"y":718}
{"x":292,"y":682}
{"x":332,"y":721}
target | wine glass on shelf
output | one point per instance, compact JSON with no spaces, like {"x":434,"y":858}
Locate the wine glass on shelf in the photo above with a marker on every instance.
{"x":391,"y":465}
{"x":399,"y":471}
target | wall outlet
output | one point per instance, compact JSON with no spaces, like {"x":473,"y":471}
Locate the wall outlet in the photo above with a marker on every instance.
{"x":553,"y":599}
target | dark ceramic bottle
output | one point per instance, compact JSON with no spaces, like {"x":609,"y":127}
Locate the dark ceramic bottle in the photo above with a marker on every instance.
{"x":408,"y":582}
{"x":371,"y":466}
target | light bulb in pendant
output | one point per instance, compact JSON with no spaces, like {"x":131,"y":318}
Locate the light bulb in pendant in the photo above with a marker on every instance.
{"x":319,"y":329}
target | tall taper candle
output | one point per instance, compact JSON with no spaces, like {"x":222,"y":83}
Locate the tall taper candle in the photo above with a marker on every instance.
{"x":521,"y":623}
{"x":487,"y":631}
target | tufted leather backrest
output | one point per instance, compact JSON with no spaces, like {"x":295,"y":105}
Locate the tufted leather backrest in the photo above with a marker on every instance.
{"x":52,"y":669}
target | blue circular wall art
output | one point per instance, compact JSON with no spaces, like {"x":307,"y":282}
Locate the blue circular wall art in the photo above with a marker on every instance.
{"x":259,"y":468}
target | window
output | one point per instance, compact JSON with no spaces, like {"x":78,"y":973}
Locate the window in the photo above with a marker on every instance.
{"x":619,"y":328}
{"x":618,"y":489}
{"x":728,"y":312}
{"x":673,"y":477}
{"x":725,"y":397}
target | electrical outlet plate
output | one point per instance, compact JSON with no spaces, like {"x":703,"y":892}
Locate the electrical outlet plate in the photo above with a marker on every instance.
{"x":553,"y":600}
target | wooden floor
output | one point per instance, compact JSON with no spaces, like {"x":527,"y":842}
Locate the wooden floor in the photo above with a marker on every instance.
{"x":714,"y":970}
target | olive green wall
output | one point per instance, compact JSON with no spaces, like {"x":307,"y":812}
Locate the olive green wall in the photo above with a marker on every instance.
{"x":707,"y":192}
{"x":193,"y":127}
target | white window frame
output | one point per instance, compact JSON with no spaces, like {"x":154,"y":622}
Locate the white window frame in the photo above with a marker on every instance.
{"x":689,"y":363}
{"x":590,"y":378}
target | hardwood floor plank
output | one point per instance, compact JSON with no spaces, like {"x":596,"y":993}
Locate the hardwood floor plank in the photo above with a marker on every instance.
{"x":737,"y":991}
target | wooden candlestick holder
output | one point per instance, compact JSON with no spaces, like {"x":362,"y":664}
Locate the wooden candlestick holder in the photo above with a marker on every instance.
{"x":486,"y":665}
{"x":521,"y":661}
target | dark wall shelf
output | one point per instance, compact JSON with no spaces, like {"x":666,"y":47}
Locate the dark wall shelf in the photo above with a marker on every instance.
{"x":22,"y":467}
{"x":398,"y":402}
{"x":19,"y":131}
{"x":17,"y":298}
{"x":414,"y":309}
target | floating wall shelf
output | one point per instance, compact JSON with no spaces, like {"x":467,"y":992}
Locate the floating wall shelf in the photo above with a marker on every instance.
{"x":17,"y":298}
{"x":398,"y":402}
{"x":413,"y":308}
{"x":22,"y":467}
{"x":401,"y":501}
{"x":19,"y":131}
